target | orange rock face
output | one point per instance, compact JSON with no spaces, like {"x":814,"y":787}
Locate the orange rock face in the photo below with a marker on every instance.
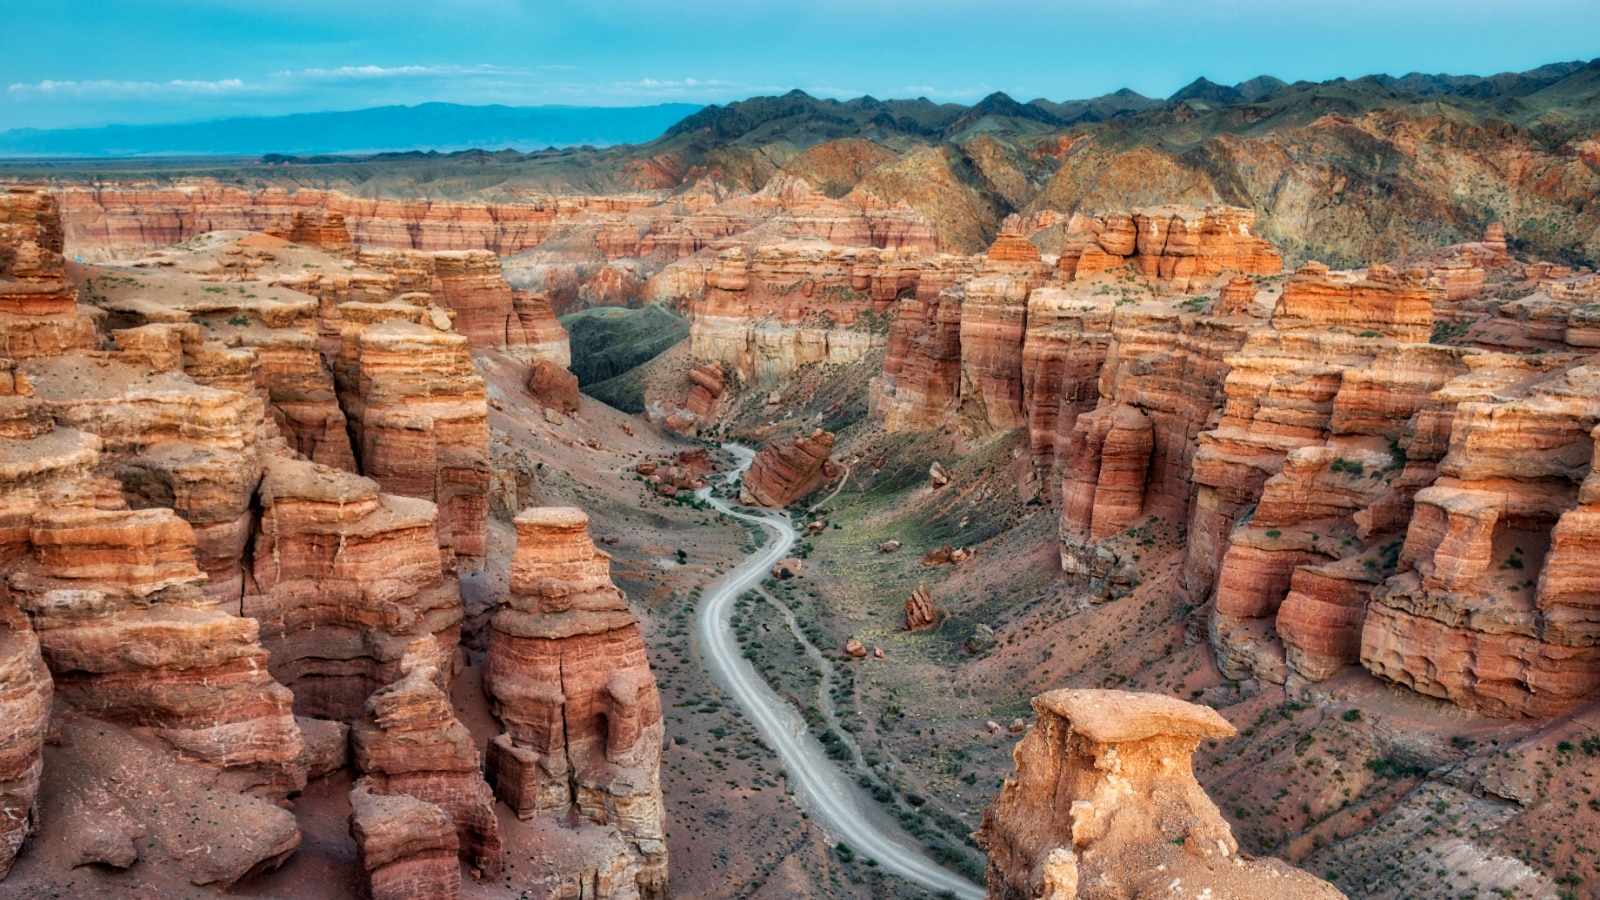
{"x":769,"y":310}
{"x":1179,"y":246}
{"x":38,"y":308}
{"x":407,"y":846}
{"x":421,"y":416}
{"x":709,"y":381}
{"x":567,"y":677}
{"x":1105,"y":795}
{"x":344,"y":578}
{"x":786,"y":469}
{"x":408,"y":742}
{"x":25,"y":692}
{"x":553,"y":386}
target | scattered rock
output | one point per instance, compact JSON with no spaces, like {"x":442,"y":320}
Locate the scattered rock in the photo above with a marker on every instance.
{"x":920,"y":611}
{"x":982,"y":639}
{"x":992,"y":727}
{"x":938,"y":475}
{"x":553,"y":417}
{"x":877,"y":653}
{"x":855,"y":649}
{"x":888,"y":546}
{"x":786,"y":568}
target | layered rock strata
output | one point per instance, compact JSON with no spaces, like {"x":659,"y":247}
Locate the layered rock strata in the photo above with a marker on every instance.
{"x":410,"y":743}
{"x":38,"y":307}
{"x":769,"y":310}
{"x":344,"y":577}
{"x":567,"y":677}
{"x":419,"y":413}
{"x":787,"y":469}
{"x":25,"y":694}
{"x":407,"y":846}
{"x":128,"y":219}
{"x":1104,"y":803}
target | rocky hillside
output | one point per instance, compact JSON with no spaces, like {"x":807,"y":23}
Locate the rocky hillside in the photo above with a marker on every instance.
{"x":1344,"y":171}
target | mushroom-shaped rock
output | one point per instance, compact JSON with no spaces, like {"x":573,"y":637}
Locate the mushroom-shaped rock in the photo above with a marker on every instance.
{"x":1105,"y":795}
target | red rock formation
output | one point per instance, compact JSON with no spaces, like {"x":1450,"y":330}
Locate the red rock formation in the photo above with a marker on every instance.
{"x":566,"y":675}
{"x":921,"y":614}
{"x":38,"y":307}
{"x":129,"y":636}
{"x":1104,"y":802}
{"x":420,"y":414}
{"x":343,"y":579}
{"x":709,"y":382}
{"x":1110,"y":452}
{"x":325,"y":231}
{"x":407,"y":846}
{"x":553,"y":386}
{"x":1180,"y":246}
{"x":25,"y":692}
{"x":920,"y":387}
{"x":787,"y":469}
{"x":994,"y":316}
{"x":409,"y":743}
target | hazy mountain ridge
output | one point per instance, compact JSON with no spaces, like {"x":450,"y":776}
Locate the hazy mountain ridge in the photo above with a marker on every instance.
{"x":428,"y":126}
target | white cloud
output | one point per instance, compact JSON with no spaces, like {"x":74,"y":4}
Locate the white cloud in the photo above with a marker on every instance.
{"x":108,"y":88}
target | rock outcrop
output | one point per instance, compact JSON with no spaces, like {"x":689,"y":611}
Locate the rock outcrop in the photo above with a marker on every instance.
{"x":410,"y":743}
{"x":344,"y":577}
{"x":769,"y":310}
{"x":419,"y":413}
{"x":407,"y":846}
{"x":1105,"y":804}
{"x":921,"y":613}
{"x":567,"y":677}
{"x":38,"y":308}
{"x":25,"y":693}
{"x":788,"y":469}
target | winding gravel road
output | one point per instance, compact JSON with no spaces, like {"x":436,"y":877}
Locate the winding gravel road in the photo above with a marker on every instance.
{"x":825,"y":791}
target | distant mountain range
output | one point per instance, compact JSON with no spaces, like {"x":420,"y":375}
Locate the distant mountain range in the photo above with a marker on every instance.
{"x":430,"y":126}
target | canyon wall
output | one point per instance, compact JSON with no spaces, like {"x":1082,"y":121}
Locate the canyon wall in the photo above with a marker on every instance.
{"x":769,"y":310}
{"x":189,"y":553}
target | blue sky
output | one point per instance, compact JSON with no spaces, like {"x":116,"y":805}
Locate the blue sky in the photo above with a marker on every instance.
{"x":74,"y":63}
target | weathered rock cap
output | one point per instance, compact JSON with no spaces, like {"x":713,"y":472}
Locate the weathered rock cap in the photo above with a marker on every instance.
{"x":552,"y":518}
{"x":1120,"y":717}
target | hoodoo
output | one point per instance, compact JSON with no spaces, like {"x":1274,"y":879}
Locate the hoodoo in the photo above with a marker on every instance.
{"x":1105,"y":804}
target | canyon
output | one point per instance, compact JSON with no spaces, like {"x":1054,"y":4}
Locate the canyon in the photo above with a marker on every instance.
{"x":1073,"y":469}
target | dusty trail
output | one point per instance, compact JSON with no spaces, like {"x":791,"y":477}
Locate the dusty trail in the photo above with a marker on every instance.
{"x":829,"y":794}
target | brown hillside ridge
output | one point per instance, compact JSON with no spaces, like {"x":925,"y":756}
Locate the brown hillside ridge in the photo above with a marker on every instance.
{"x":1104,"y":803}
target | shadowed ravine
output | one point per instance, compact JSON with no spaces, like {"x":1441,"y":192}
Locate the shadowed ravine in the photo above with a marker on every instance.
{"x":826,"y":792}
